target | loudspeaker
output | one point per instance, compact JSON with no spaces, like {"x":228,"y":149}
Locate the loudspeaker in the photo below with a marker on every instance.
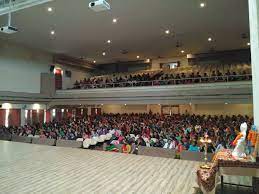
{"x":51,"y":69}
{"x":68,"y":73}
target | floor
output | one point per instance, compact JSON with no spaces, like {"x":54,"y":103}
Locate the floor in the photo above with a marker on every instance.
{"x":28,"y":168}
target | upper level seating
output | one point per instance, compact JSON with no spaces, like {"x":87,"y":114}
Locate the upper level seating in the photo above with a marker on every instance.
{"x":187,"y":76}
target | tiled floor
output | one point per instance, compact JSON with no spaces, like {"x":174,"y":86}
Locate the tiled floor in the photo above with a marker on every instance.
{"x":28,"y":168}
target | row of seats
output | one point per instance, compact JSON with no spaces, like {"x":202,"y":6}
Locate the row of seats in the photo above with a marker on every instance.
{"x":43,"y":141}
{"x":142,"y":150}
{"x":169,"y":153}
{"x":208,"y":68}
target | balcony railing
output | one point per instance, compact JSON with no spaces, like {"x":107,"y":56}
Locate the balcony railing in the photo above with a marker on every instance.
{"x":199,"y":80}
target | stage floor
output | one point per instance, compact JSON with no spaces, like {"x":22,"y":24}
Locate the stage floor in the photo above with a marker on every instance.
{"x":28,"y":168}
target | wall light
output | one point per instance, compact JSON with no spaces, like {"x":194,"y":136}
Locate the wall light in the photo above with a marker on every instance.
{"x":54,"y":112}
{"x":7,"y":117}
{"x":45,"y":116}
{"x":6,"y":106}
{"x":36,"y":107}
{"x":26,"y":114}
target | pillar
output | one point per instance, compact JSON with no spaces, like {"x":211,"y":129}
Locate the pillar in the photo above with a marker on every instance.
{"x":23,"y":117}
{"x":7,"y":113}
{"x":254,"y":43}
{"x":52,"y":114}
{"x":45,"y":116}
{"x":89,"y":110}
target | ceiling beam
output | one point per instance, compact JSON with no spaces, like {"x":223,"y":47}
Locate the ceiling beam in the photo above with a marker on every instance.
{"x":19,"y":5}
{"x":73,"y":62}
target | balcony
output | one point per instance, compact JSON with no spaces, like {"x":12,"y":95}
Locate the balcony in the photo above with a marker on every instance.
{"x":177,"y":91}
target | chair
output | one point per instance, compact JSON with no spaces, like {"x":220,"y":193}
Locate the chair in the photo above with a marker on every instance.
{"x":156,"y":152}
{"x":69,"y":143}
{"x":22,"y":139}
{"x":5,"y":137}
{"x":44,"y":141}
{"x":194,"y":156}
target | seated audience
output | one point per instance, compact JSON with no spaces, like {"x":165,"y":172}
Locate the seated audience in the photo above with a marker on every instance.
{"x":179,"y":132}
{"x":160,"y":78}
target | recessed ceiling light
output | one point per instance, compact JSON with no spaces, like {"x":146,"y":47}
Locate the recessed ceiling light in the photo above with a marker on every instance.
{"x":104,"y":53}
{"x":109,"y":41}
{"x":209,"y":39}
{"x":167,"y":31}
{"x":182,"y":51}
{"x":52,"y":32}
{"x":248,"y":44}
{"x":138,"y":57}
{"x":50,"y":9}
{"x":114,"y":20}
{"x":189,"y":56}
{"x":202,"y":4}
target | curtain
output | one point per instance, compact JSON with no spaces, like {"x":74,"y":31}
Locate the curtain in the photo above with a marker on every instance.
{"x":14,"y":118}
{"x":2,"y":117}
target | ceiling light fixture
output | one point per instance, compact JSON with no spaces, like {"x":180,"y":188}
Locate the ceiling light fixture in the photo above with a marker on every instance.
{"x":109,"y":41}
{"x":209,"y":39}
{"x":104,"y":53}
{"x":50,"y":9}
{"x":138,"y":57}
{"x":202,"y":4}
{"x":94,"y":61}
{"x":167,"y":31}
{"x":52,"y":32}
{"x":114,"y":20}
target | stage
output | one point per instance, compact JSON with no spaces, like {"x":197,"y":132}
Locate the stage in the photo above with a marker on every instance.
{"x":28,"y":168}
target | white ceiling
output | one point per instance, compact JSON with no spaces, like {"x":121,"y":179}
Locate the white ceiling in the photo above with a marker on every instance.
{"x":140,"y":28}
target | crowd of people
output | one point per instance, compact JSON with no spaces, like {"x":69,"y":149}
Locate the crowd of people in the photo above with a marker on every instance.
{"x":179,"y":132}
{"x":160,"y":78}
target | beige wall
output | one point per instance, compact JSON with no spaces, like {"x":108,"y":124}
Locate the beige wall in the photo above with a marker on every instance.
{"x":154,"y":108}
{"x":200,"y":109}
{"x":21,"y":67}
{"x":224,"y":109}
{"x":124,"y":109}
